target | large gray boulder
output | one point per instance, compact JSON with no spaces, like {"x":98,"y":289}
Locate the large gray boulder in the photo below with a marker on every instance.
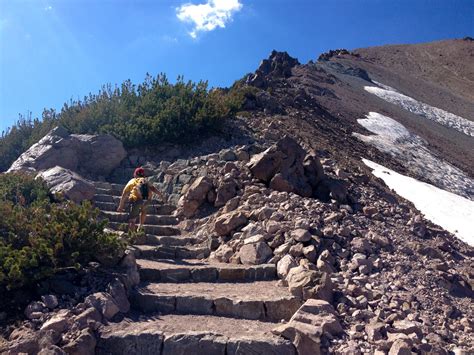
{"x":194,"y":197}
{"x":93,"y":155}
{"x":68,"y":184}
{"x":286,"y":167}
{"x":314,"y":319}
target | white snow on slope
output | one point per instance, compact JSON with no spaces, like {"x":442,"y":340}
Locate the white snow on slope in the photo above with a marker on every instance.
{"x":412,"y":152}
{"x":450,"y":211}
{"x":435,"y":114}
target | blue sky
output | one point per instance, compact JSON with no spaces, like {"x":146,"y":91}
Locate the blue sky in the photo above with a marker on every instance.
{"x":55,"y":50}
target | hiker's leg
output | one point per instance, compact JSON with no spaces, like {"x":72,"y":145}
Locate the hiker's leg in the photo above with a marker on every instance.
{"x":133,"y":215}
{"x":143,"y":213}
{"x":142,"y":216}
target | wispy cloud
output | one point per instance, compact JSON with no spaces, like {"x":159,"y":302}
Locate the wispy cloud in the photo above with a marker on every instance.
{"x":48,"y":8}
{"x":169,"y":39}
{"x":208,"y":16}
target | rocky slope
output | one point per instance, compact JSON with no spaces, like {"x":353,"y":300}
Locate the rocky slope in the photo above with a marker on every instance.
{"x":281,"y":212}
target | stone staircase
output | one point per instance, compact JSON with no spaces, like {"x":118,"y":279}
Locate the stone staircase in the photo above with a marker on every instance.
{"x":186,"y":304}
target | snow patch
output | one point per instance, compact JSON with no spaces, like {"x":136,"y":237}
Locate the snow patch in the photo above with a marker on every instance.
{"x":412,"y":152}
{"x":432,"y":113}
{"x":452,"y":212}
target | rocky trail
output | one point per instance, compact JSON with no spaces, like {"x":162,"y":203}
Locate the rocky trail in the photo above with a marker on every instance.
{"x":187,"y":304}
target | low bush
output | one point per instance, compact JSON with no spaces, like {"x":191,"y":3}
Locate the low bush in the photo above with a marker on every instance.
{"x":39,"y":237}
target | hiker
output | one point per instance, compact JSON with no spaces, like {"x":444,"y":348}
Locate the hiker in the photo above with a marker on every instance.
{"x":138,"y":193}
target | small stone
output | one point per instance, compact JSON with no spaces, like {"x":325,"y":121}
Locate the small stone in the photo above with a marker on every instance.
{"x":310,"y":253}
{"x":369,"y":211}
{"x":301,"y":235}
{"x":50,"y":301}
{"x":34,"y":310}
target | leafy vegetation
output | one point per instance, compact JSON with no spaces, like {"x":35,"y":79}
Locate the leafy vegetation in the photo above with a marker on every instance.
{"x":153,"y":112}
{"x":39,"y":237}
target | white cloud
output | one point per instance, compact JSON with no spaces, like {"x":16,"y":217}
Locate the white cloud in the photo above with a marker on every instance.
{"x":48,"y":8}
{"x":208,"y":16}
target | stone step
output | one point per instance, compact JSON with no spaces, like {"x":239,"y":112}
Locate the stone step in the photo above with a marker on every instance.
{"x":170,"y":252}
{"x":190,"y":335}
{"x":199,"y":271}
{"x":166,"y":240}
{"x":259,"y":300}
{"x":112,"y":192}
{"x":108,"y":186}
{"x":106,"y":198}
{"x":162,"y":210}
{"x":151,"y":229}
{"x":151,"y":219}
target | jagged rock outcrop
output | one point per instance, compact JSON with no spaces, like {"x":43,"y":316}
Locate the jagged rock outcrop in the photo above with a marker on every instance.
{"x":66,"y":183}
{"x":286,"y":167}
{"x":89,"y":155}
{"x":333,"y":53}
{"x":278,"y":65}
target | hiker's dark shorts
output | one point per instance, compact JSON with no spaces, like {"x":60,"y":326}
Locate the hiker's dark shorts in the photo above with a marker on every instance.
{"x":136,"y":207}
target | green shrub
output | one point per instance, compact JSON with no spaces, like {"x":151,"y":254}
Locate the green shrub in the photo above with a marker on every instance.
{"x":153,"y":112}
{"x":39,"y":237}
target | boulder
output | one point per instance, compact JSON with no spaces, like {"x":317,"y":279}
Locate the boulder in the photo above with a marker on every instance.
{"x":282,"y":167}
{"x":310,"y":253}
{"x":59,"y":322}
{"x":223,"y":253}
{"x":88,"y":317}
{"x":119,"y":294}
{"x":195,"y":196}
{"x":50,"y":301}
{"x":313,"y":170}
{"x":304,"y":282}
{"x":330,"y":188}
{"x":225,"y":192}
{"x":255,"y":253}
{"x":95,"y":155}
{"x":100,"y":154}
{"x":313,"y":320}
{"x":285,"y":265}
{"x":229,"y":221}
{"x":301,"y":235}
{"x":104,"y":303}
{"x":84,"y":344}
{"x":24,"y":340}
{"x":68,"y":184}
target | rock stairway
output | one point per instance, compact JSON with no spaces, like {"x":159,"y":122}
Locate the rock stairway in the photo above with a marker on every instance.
{"x":188,"y":305}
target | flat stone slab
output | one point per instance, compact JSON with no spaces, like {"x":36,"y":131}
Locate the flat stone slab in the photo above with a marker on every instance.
{"x":169,"y":270}
{"x":152,"y":229}
{"x":170,"y":252}
{"x":167,"y":240}
{"x":112,"y":206}
{"x":151,"y":218}
{"x":262,"y":300}
{"x":191,"y":334}
{"x":106,"y":198}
